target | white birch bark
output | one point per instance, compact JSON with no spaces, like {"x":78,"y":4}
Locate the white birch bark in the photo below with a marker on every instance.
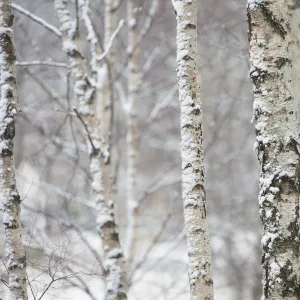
{"x":10,"y":198}
{"x":193,"y":192}
{"x":85,"y":94}
{"x":102,"y":70}
{"x":294,"y":48}
{"x":277,"y":133}
{"x":104,"y":95}
{"x":104,"y":74}
{"x":132,"y":125}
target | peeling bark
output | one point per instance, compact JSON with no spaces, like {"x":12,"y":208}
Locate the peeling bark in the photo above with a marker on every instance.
{"x":277,"y":135}
{"x":85,"y":92}
{"x":194,"y":200}
{"x":10,"y":198}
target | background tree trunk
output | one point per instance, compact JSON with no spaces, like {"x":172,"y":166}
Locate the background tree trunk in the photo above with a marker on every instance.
{"x":277,"y":133}
{"x":193,"y":192}
{"x":132,"y":126}
{"x":10,"y":198}
{"x":84,"y":91}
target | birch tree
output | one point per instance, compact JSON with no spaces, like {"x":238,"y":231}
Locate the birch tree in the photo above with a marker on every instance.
{"x":135,"y":74}
{"x":294,"y":11}
{"x":132,"y":126}
{"x":277,"y":132}
{"x":193,"y":192}
{"x":84,"y":91}
{"x":10,"y":198}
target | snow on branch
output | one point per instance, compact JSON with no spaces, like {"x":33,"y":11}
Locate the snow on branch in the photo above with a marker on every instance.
{"x":92,"y":36}
{"x":42,"y":63}
{"x":36,"y":19}
{"x":111,"y":40}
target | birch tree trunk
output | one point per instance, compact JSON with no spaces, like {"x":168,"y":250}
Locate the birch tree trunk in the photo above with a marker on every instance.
{"x":294,"y":48}
{"x":84,"y":91}
{"x":193,"y":192}
{"x":105,"y":72}
{"x":132,"y":125}
{"x":104,"y":97}
{"x":102,"y":65}
{"x":10,"y":198}
{"x":277,"y":132}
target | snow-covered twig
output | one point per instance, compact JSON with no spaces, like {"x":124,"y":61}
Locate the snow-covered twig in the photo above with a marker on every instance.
{"x":41,"y":63}
{"x":147,"y":65}
{"x":92,"y":36}
{"x":36,"y":19}
{"x":111,"y":40}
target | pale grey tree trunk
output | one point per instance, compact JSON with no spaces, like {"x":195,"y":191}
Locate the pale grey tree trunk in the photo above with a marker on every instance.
{"x":277,"y":134}
{"x":132,"y":129}
{"x":85,"y":92}
{"x":10,"y":198}
{"x":105,"y":73}
{"x":193,"y":192}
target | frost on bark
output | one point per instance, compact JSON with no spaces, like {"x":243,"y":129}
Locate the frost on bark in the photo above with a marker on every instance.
{"x":194,"y":202}
{"x":132,"y":126}
{"x":277,"y":144}
{"x":10,"y":198}
{"x":85,"y":92}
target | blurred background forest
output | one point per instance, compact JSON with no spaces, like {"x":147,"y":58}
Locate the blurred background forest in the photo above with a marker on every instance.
{"x":53,"y":171}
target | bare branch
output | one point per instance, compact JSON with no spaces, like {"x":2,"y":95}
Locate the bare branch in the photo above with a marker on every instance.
{"x":163,"y":104}
{"x":152,"y":244}
{"x":95,"y":149}
{"x":148,"y":21}
{"x":158,"y":261}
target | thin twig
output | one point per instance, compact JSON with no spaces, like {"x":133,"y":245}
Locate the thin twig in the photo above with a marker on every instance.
{"x":162,"y":104}
{"x":153,"y":243}
{"x":95,"y":150}
{"x":4,"y":282}
{"x":42,"y":63}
